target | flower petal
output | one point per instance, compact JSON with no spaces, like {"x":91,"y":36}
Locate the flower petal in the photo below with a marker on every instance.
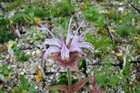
{"x":68,"y":35}
{"x":70,"y":63}
{"x":64,"y":53}
{"x":51,"y":42}
{"x":75,"y":48}
{"x":75,"y":40}
{"x":79,"y":27}
{"x":50,"y":50}
{"x":47,"y":30}
{"x":86,"y":45}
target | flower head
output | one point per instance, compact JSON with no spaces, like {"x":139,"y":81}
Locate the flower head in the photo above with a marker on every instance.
{"x":66,"y":50}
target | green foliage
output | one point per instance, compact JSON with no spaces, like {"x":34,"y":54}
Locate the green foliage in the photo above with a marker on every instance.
{"x":85,"y":6}
{"x":39,"y":12}
{"x":5,"y":36}
{"x":21,"y":56}
{"x":80,"y":0}
{"x":7,"y":0}
{"x":100,"y":23}
{"x":2,"y":92}
{"x":4,"y":72}
{"x":63,"y":80}
{"x":106,"y":76}
{"x":35,"y":36}
{"x":61,"y":9}
{"x":24,"y":87}
{"x":63,"y":21}
{"x":27,"y":15}
{"x":19,"y":18}
{"x":4,"y":23}
{"x":113,"y":15}
{"x":81,"y":65}
{"x":102,"y":43}
{"x":9,"y":6}
{"x":92,"y":14}
{"x":124,"y":30}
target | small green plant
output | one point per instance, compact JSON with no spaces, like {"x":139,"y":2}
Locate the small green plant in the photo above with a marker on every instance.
{"x":113,"y":15}
{"x":106,"y":77}
{"x":5,"y":36}
{"x":85,"y":6}
{"x":81,"y":1}
{"x":21,"y":56}
{"x":100,"y":24}
{"x":24,"y":87}
{"x":4,"y":23}
{"x":62,"y":9}
{"x":39,"y":12}
{"x":102,"y":43}
{"x":124,"y":30}
{"x":25,"y":17}
{"x":14,"y":5}
{"x":4,"y":72}
{"x":4,"y":75}
{"x":35,"y":36}
{"x":92,"y":14}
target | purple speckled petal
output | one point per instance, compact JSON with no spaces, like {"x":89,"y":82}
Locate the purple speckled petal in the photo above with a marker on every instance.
{"x":47,"y":30}
{"x":75,"y":40}
{"x":77,"y":31}
{"x":51,"y":42}
{"x":64,"y":53}
{"x":68,"y":35}
{"x":79,"y":27}
{"x":75,"y":48}
{"x":86,"y":45}
{"x":50,"y":50}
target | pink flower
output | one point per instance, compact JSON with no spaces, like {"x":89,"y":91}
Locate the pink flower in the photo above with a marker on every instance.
{"x":66,"y":50}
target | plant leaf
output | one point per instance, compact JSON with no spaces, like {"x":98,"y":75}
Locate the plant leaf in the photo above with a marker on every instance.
{"x":25,"y":84}
{"x":88,"y":89}
{"x":59,"y":87}
{"x":80,"y":84}
{"x":38,"y":78}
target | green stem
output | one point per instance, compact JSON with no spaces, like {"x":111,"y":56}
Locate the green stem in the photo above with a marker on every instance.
{"x":69,"y":79}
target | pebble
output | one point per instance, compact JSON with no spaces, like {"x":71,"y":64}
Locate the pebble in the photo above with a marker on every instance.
{"x":30,"y":66}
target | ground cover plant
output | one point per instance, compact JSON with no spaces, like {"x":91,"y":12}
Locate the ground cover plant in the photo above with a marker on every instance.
{"x":69,"y":46}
